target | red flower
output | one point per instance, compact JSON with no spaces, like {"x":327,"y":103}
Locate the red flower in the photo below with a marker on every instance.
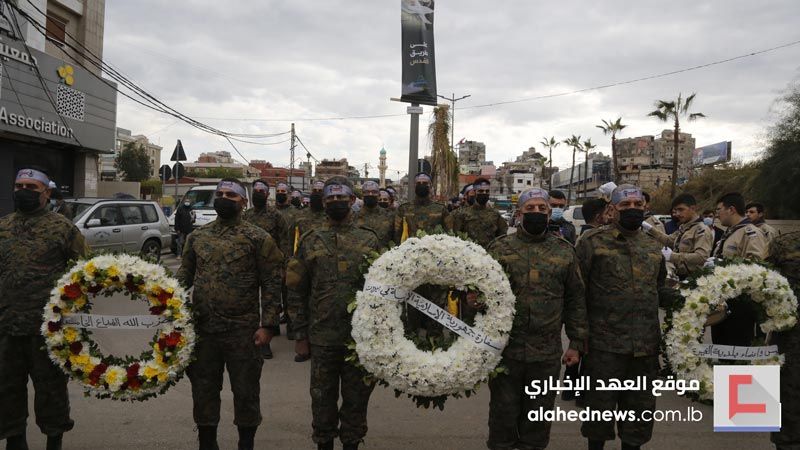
{"x":75,"y":347}
{"x":163,"y":296}
{"x":94,"y":376}
{"x":73,"y":291}
{"x":53,"y":326}
{"x":95,"y":288}
{"x":173,"y":339}
{"x":133,"y":371}
{"x":157,"y":310}
{"x":56,"y":309}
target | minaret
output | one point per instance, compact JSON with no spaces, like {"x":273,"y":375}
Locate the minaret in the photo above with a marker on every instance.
{"x":382,"y":167}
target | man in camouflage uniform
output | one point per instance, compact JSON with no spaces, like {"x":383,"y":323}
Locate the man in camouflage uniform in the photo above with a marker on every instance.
{"x":688,"y":248}
{"x":287,"y":210}
{"x":423,"y":214}
{"x":297,"y":199}
{"x":323,"y":277}
{"x":385,"y":202}
{"x":372,"y":216}
{"x":480,"y":223}
{"x":624,"y":274}
{"x":227,"y":262}
{"x":35,"y":247}
{"x":741,"y":240}
{"x":560,"y":226}
{"x":282,"y":203}
{"x":755,"y":212}
{"x":784,"y":254}
{"x":270,"y":220}
{"x":544,"y":276}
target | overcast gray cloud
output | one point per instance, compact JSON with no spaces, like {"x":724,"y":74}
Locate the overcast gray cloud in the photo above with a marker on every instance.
{"x":332,"y":58}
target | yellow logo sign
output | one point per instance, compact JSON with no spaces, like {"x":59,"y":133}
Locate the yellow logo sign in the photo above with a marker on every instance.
{"x":66,"y":73}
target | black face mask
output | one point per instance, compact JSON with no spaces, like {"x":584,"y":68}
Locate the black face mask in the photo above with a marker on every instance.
{"x":259,"y":199}
{"x":316,"y":202}
{"x":370,"y":201}
{"x":337,"y":210}
{"x":281,"y":198}
{"x":422,"y":190}
{"x":534,"y":223}
{"x":631,"y":219}
{"x":470,"y":201}
{"x":225,"y":208}
{"x":383,"y":204}
{"x":296,"y":202}
{"x":26,"y":200}
{"x":482,"y":199}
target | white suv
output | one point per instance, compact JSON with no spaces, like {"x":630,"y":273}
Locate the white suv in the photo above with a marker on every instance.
{"x":122,"y":225}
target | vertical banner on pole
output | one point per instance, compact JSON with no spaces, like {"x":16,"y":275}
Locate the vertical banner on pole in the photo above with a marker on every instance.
{"x":419,"y":69}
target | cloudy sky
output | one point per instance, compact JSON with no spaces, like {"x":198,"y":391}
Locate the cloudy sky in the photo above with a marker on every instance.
{"x":255,"y":66}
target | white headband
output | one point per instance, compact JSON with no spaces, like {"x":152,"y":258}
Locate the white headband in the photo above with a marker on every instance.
{"x":235,"y":187}
{"x":33,"y":174}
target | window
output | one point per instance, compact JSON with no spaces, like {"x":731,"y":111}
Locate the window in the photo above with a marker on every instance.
{"x":150,"y":213}
{"x":528,"y":182}
{"x":132,"y":214}
{"x":56,"y":29}
{"x":108,"y":215}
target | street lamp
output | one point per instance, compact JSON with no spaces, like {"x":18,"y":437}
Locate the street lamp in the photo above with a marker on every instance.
{"x":453,"y":101}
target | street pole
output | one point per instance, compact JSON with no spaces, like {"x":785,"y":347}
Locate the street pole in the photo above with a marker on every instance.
{"x":291,"y":160}
{"x":413,"y":147}
{"x":453,"y":101}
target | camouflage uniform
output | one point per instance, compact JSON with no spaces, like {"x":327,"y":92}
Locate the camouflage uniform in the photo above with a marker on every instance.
{"x":227,"y":262}
{"x":423,"y":215}
{"x":624,"y":274}
{"x":304,"y":221}
{"x":692,"y":244}
{"x":543,"y":271}
{"x":482,"y":224}
{"x":784,"y":253}
{"x":379,"y":220}
{"x":271,"y":221}
{"x":323,"y":278}
{"x":743,"y":240}
{"x":34,"y":251}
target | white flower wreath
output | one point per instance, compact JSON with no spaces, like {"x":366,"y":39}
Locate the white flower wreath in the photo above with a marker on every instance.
{"x":108,"y":376}
{"x":385,"y":352}
{"x":764,"y":286}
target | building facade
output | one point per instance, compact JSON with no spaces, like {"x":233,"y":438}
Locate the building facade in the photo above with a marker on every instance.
{"x":108,"y":169}
{"x":471,"y":156}
{"x":586,"y":178}
{"x":646,"y":161}
{"x":333,"y":168}
{"x":54,"y":113}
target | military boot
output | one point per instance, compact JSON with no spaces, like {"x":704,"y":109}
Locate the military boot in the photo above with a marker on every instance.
{"x":596,"y":445}
{"x":325,"y":446}
{"x":247,"y":437}
{"x":208,"y":438}
{"x":18,"y":442}
{"x":54,"y":442}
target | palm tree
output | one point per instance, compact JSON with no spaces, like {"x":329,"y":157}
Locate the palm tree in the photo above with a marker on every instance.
{"x":613,"y":127}
{"x":550,"y":144}
{"x":587,"y":147}
{"x":444,"y":162}
{"x":541,"y":182}
{"x":575,"y":143}
{"x":674,"y":110}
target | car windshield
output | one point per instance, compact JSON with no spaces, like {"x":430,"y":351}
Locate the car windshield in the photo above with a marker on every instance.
{"x":577,"y":214}
{"x":79,"y":209}
{"x":200,"y":199}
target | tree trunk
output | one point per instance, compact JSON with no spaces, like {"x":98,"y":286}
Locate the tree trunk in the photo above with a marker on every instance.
{"x":585,"y":174}
{"x":675,"y":159}
{"x":571,"y":173}
{"x":614,"y":157}
{"x":550,"y":180}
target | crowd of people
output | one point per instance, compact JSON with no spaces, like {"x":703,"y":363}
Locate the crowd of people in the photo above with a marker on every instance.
{"x":603,"y":284}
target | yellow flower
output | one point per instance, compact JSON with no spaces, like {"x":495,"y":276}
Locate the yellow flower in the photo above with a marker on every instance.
{"x":70,"y":334}
{"x":80,"y":302}
{"x":170,"y":290}
{"x":79,"y":360}
{"x":163,"y":376}
{"x":112,"y":271}
{"x":90,"y":268}
{"x":174,"y":302}
{"x":76,"y":277}
{"x":113,"y":374}
{"x":150,"y":372}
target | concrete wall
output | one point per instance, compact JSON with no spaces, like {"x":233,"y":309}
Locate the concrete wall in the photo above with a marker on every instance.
{"x":107,"y":189}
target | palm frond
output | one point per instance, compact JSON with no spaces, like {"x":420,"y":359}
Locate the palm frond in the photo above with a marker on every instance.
{"x":695,"y":116}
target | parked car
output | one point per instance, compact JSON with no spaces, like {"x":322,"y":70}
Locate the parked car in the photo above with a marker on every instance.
{"x":122,"y":225}
{"x":574,"y":214}
{"x":202,"y":200}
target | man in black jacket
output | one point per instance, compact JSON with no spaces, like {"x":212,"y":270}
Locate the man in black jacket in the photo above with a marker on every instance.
{"x":183,"y":223}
